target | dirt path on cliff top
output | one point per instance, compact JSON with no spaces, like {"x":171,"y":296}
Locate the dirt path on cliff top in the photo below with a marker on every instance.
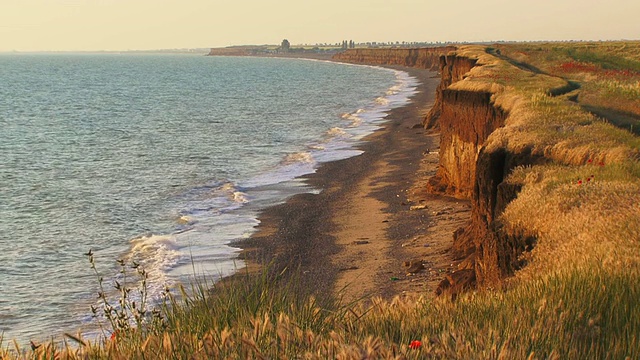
{"x":372,"y":215}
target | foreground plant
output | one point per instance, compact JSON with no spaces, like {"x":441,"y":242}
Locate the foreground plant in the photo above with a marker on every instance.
{"x":131,"y":311}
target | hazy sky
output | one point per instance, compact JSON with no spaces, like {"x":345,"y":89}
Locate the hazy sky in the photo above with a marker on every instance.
{"x":33,"y":25}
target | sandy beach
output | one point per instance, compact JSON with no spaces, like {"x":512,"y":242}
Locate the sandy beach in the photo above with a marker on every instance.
{"x":373,"y":230}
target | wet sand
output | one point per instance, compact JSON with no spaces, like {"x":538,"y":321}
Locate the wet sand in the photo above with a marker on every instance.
{"x":372,"y":216}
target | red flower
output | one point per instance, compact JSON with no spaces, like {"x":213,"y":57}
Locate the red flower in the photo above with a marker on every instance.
{"x":589,"y":161}
{"x":601,"y":163}
{"x":415,"y":344}
{"x":114,"y":335}
{"x":579,"y":182}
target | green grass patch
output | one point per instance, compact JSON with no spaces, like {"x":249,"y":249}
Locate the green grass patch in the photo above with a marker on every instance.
{"x":606,"y":61}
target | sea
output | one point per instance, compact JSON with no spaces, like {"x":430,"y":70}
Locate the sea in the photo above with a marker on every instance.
{"x":164,"y":161}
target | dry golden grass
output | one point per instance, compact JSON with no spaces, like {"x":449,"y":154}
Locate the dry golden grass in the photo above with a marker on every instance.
{"x":580,"y":217}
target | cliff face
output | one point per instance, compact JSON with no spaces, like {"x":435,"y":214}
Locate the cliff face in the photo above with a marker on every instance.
{"x":452,"y":69}
{"x":230,"y":51}
{"x":423,"y":58}
{"x":466,"y":118}
{"x":493,"y":252}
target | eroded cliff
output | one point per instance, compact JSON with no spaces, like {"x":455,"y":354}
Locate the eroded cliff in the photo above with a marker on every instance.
{"x":422,"y":58}
{"x":505,"y":131}
{"x":465,"y":117}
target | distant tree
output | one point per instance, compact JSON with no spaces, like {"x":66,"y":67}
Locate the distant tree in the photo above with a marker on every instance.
{"x":285,"y":45}
{"x":352,"y":44}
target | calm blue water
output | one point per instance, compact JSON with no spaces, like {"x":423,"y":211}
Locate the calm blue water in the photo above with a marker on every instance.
{"x":161,"y":159}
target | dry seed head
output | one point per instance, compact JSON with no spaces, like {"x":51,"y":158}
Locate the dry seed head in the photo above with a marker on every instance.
{"x":167,"y":344}
{"x":226,"y":338}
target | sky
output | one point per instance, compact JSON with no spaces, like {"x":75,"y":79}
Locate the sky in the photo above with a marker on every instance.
{"x":90,"y":25}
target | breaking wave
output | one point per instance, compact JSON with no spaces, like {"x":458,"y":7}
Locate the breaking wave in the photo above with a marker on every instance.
{"x":336,"y":131}
{"x":299,"y":157}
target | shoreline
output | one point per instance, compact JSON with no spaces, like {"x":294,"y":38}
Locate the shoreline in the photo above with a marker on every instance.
{"x":352,"y":239}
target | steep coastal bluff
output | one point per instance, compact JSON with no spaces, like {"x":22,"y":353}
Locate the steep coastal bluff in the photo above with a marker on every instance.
{"x":520,"y":151}
{"x":423,"y":58}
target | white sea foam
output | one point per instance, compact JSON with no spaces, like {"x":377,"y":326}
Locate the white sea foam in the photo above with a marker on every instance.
{"x":336,"y":131}
{"x":230,"y":191}
{"x":299,"y":157}
{"x":156,"y":253}
{"x":240,"y":197}
{"x":290,"y":167}
{"x":185,"y":220}
{"x":394,"y":89}
{"x":150,"y":244}
{"x":382,"y":101}
{"x":356,"y":122}
{"x":354,"y":118}
{"x":227,"y":187}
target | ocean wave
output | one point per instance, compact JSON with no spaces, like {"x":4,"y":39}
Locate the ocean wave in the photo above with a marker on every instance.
{"x":185,"y":220}
{"x":240,"y":197}
{"x":208,"y":200}
{"x":354,"y":118}
{"x":299,"y":157}
{"x":231,"y":192}
{"x":157,"y":254}
{"x":382,"y":101}
{"x":336,"y":131}
{"x":394,"y":89}
{"x":349,"y":116}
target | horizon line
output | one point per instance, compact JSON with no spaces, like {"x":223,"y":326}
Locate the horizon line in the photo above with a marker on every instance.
{"x":382,"y":43}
